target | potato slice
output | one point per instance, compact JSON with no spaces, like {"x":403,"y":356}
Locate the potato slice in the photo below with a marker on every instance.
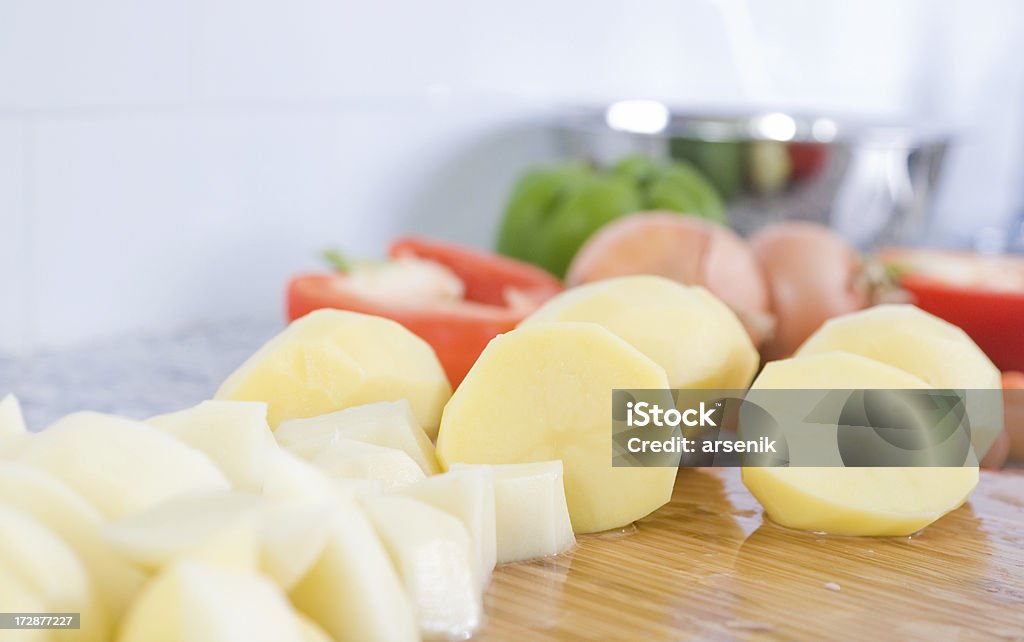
{"x":37,"y":557}
{"x":194,"y":602}
{"x":388,"y":423}
{"x":434,"y":556}
{"x":853,"y":501}
{"x":293,"y":537}
{"x":291,"y":479}
{"x":350,"y":459}
{"x":234,"y":434}
{"x":118,"y":465}
{"x":544,"y":392}
{"x":12,"y":423}
{"x":352,"y":591}
{"x":532,"y":518}
{"x":467,"y":495}
{"x":53,"y":504}
{"x":686,"y":330}
{"x":332,"y":359}
{"x":179,"y":526}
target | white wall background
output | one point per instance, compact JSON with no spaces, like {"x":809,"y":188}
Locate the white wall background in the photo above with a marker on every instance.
{"x":169,"y":161}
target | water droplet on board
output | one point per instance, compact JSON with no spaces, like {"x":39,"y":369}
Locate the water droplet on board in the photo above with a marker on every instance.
{"x":616,"y":533}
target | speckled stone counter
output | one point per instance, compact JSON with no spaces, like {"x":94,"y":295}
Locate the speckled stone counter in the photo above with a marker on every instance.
{"x":135,"y":376}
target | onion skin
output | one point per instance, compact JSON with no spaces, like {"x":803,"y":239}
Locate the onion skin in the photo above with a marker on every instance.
{"x":812,"y":275}
{"x":683,"y":248}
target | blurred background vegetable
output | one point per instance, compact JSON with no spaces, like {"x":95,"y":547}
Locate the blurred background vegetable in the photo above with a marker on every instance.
{"x":553,"y":210}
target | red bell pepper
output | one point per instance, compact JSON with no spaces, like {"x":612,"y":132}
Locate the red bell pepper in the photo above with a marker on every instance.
{"x":498,"y":293}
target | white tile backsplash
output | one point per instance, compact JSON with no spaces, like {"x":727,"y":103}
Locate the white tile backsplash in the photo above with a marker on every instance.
{"x":174,"y":160}
{"x":148,"y":221}
{"x":14,"y":255}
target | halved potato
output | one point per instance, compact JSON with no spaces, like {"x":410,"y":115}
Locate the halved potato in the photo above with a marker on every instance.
{"x":861,"y":500}
{"x":686,"y":330}
{"x":332,"y":359}
{"x":933,"y":350}
{"x":234,"y":434}
{"x":532,"y":518}
{"x":118,"y":465}
{"x":388,"y":423}
{"x":908,"y":338}
{"x":544,"y":392}
{"x":434,"y":556}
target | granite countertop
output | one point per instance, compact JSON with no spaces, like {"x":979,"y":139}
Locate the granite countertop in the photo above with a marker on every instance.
{"x":135,"y":376}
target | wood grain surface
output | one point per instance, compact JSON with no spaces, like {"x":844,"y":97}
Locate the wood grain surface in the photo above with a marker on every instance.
{"x":709,"y":566}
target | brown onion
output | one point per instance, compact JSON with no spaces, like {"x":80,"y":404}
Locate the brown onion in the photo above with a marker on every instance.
{"x":684,"y":248}
{"x":813,"y":274}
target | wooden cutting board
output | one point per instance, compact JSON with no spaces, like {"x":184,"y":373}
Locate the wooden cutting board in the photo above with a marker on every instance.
{"x":709,"y":566}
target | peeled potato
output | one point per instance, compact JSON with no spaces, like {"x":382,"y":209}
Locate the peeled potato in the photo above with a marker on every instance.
{"x":120,"y":466}
{"x":195,"y":602}
{"x":12,"y":424}
{"x":14,"y":437}
{"x":531,"y":516}
{"x":352,"y":590}
{"x":434,"y":556}
{"x":331,"y":359}
{"x":908,"y":338}
{"x":388,"y":423}
{"x":927,"y":347}
{"x":76,"y":521}
{"x":293,"y":538}
{"x":853,"y":501}
{"x":350,"y":459}
{"x":234,"y":434}
{"x":467,"y":495}
{"x":311,"y":631}
{"x":17,"y":597}
{"x":172,"y":529}
{"x":50,"y":570}
{"x":684,"y":329}
{"x":544,"y":392}
{"x":12,"y":447}
{"x":293,"y":480}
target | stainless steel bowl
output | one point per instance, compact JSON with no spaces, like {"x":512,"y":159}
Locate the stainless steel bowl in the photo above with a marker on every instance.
{"x":872,"y":182}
